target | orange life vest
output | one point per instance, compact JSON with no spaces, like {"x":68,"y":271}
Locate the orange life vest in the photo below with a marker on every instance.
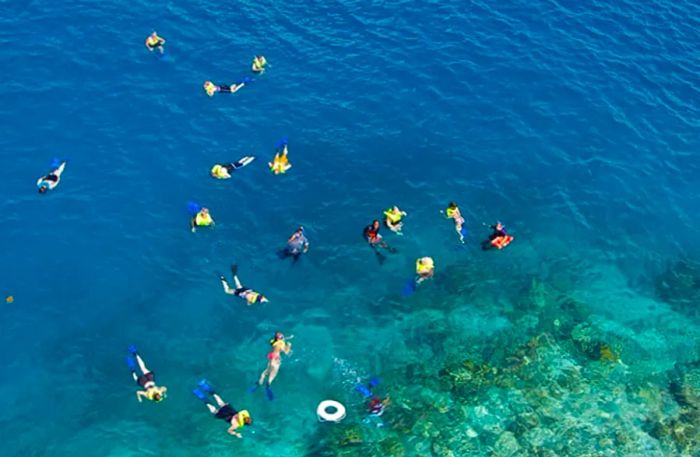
{"x":501,"y":241}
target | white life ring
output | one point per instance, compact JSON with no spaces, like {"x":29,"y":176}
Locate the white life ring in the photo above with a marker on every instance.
{"x":335,"y":416}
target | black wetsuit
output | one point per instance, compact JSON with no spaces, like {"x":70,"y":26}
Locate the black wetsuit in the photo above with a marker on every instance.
{"x":50,"y":177}
{"x":226,"y":413}
{"x":225,"y":88}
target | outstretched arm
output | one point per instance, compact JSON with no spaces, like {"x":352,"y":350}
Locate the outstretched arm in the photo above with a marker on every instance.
{"x":232,"y":431}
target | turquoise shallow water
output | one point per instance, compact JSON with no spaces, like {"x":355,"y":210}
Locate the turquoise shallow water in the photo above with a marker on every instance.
{"x":577,"y":125}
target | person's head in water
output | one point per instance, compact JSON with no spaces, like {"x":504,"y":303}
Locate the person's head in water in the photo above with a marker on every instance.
{"x":452,"y":205}
{"x":499,"y":226}
{"x":375,"y":224}
{"x":157,"y":396}
{"x":278,"y":337}
{"x":247,"y":420}
{"x":42,"y":189}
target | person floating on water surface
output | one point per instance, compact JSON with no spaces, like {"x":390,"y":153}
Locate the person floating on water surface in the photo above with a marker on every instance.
{"x":146,"y":379}
{"x":250,"y":296}
{"x":425,"y":268}
{"x":452,"y":212}
{"x":498,"y":239}
{"x":392,"y":219}
{"x":154,"y":42}
{"x":375,"y":240}
{"x":210,"y":88}
{"x":280,"y":163}
{"x":259,"y":64}
{"x":222,"y":410}
{"x":297,"y":244}
{"x":274,"y":360}
{"x":224,"y":170}
{"x":51,"y":180}
{"x":201,"y":219}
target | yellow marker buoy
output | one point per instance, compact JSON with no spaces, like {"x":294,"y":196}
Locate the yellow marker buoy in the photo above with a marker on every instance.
{"x":9,"y":299}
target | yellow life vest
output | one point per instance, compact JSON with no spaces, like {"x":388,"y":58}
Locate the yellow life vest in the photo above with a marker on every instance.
{"x":151,"y":393}
{"x":241,"y":417}
{"x":424,"y":266}
{"x":252,"y":297}
{"x":203,"y":219}
{"x":210,"y":88}
{"x":451,"y":211}
{"x":153,"y":40}
{"x":219,"y":172}
{"x":393,"y":215}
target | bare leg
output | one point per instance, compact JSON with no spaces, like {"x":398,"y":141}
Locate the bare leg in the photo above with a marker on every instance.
{"x":237,"y":282}
{"x":59,"y":170}
{"x":142,"y":365}
{"x":212,"y":409}
{"x":265,"y":372}
{"x":135,"y":376}
{"x":219,"y":400}
{"x":273,"y":370}
{"x":227,"y":289}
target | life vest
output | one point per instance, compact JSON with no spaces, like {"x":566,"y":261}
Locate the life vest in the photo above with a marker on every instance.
{"x":151,"y":393}
{"x":501,"y":241}
{"x":259,"y":62}
{"x":393,"y":215}
{"x":372,"y":234}
{"x":252,"y":297}
{"x":209,"y":88}
{"x":424,"y":266}
{"x":219,"y":172}
{"x":450,"y":212}
{"x":241,"y":417}
{"x":153,"y":40}
{"x":203,"y":219}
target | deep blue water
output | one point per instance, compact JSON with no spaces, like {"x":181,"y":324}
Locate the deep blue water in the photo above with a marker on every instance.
{"x":576,"y":124}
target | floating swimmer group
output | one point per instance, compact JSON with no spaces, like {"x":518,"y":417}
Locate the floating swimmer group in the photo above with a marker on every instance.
{"x":297,"y":244}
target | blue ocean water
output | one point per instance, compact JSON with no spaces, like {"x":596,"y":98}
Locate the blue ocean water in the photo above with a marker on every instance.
{"x":576,"y":124}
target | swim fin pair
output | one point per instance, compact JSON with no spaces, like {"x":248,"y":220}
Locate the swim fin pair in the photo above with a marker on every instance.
{"x":206,"y":390}
{"x":131,"y":358}
{"x":281,"y":143}
{"x":367,"y":390}
{"x":268,"y":391}
{"x":409,"y":288}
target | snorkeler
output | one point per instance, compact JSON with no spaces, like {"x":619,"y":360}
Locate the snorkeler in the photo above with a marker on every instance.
{"x":259,"y":64}
{"x":297,"y":244}
{"x":376,"y":404}
{"x":50,"y":181}
{"x":392,"y":219}
{"x":223,"y":410}
{"x":201,"y":219}
{"x":280,"y":163}
{"x":223,"y":171}
{"x":498,"y":239}
{"x":155,"y":42}
{"x":210,"y":88}
{"x":249,"y":295}
{"x":452,"y":212}
{"x":146,"y":379}
{"x":274,"y":360}
{"x":375,"y":240}
{"x":425,"y":268}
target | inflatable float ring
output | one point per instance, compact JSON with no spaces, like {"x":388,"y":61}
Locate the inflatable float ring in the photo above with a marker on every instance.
{"x":334,"y":416}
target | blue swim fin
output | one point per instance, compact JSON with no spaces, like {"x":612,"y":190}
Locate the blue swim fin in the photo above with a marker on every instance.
{"x":198,"y":393}
{"x":254,"y":388}
{"x":131,"y":363}
{"x":268,"y":391}
{"x":205,"y":386}
{"x":55,"y":163}
{"x":374,"y":382}
{"x":193,"y":208}
{"x":132,"y":350}
{"x":464,"y":231}
{"x":282,"y":142}
{"x":409,"y":288}
{"x":364,"y":390}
